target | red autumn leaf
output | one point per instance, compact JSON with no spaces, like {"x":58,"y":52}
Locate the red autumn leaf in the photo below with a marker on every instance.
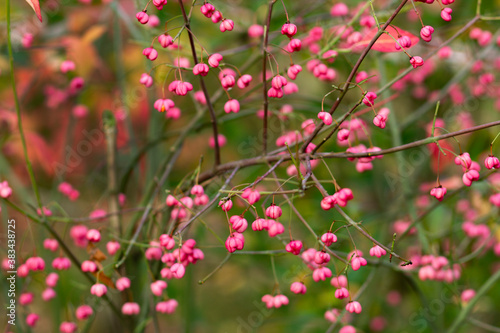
{"x":385,"y":43}
{"x":36,"y":7}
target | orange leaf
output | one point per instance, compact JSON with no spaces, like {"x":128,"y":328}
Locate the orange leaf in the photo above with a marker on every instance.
{"x":36,"y":7}
{"x":385,"y":43}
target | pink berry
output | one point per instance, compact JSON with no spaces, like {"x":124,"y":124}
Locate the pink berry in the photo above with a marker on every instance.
{"x":416,"y":61}
{"x":98,"y":289}
{"x":298,"y":288}
{"x":438,"y":192}
{"x":492,"y":162}
{"x":294,"y":247}
{"x":339,"y":9}
{"x":232,"y":106}
{"x":167,"y":306}
{"x":273,"y":211}
{"x":83,"y":312}
{"x":122,"y":283}
{"x":353,"y":307}
{"x":142,"y":17}
{"x":446,"y":14}
{"x":289,"y":29}
{"x":130,"y":308}
{"x":226,"y":25}
{"x":426,"y":33}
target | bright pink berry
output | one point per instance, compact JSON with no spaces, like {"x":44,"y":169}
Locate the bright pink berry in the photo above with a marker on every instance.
{"x":369,"y":98}
{"x":157,"y":287}
{"x":328,"y":238}
{"x":278,"y":82}
{"x":238,"y":223}
{"x":467,"y":295}
{"x":226,"y":25}
{"x":200,"y":69}
{"x":294,"y":45}
{"x":377,"y":251}
{"x":438,"y":192}
{"x":353,"y":307}
{"x":426,"y":33}
{"x":178,"y":270}
{"x":26,"y":298}
{"x":470,"y":176}
{"x":167,"y":306}
{"x":464,"y":160}
{"x":93,"y":235}
{"x":252,"y":196}
{"x":343,"y":134}
{"x":35,"y":264}
{"x":216,"y":16}
{"x":492,"y":162}
{"x":89,"y":266}
{"x":289,"y":29}
{"x":68,"y":327}
{"x":298,"y":288}
{"x":98,"y":289}
{"x":146,"y":80}
{"x":339,"y":9}
{"x":207,"y":9}
{"x":50,"y":244}
{"x":446,"y":14}
{"x":294,"y":247}
{"x":339,"y":281}
{"x":325,"y":117}
{"x":31,"y":319}
{"x":244,"y":81}
{"x":83,"y":312}
{"x":165,"y":40}
{"x":321,"y":273}
{"x":255,"y":31}
{"x":416,"y":61}
{"x":403,"y":42}
{"x":67,"y":66}
{"x":142,"y":17}
{"x":130,"y":308}
{"x":275,"y":228}
{"x":122,"y":283}
{"x":234,"y":242}
{"x":341,"y":293}
{"x":232,"y":106}
{"x":112,"y":247}
{"x":273,"y":211}
{"x":150,"y":53}
{"x":293,"y":71}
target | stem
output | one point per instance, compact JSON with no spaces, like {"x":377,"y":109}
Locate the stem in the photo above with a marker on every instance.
{"x":468,"y":308}
{"x":18,"y":113}
{"x":110,"y":131}
{"x":213,"y":118}
{"x":354,"y":70}
{"x":271,"y":158}
{"x":264,"y":81}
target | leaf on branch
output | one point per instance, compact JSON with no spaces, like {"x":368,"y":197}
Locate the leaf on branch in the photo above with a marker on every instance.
{"x":35,"y":4}
{"x":385,"y":43}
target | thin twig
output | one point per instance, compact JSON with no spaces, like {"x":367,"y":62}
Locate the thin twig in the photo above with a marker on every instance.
{"x":264,"y":78}
{"x":213,"y":118}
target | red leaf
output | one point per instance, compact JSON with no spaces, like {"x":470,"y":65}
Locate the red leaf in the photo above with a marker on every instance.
{"x":36,"y":7}
{"x":385,"y":43}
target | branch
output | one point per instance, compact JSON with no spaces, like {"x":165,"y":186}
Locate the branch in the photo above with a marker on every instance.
{"x":354,"y":70}
{"x":271,"y":158}
{"x":213,"y":118}
{"x":264,"y":79}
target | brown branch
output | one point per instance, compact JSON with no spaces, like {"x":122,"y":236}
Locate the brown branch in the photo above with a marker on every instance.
{"x":271,"y":158}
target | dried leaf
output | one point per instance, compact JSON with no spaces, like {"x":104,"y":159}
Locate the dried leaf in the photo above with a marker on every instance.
{"x":104,"y":279}
{"x":385,"y":43}
{"x":36,"y":7}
